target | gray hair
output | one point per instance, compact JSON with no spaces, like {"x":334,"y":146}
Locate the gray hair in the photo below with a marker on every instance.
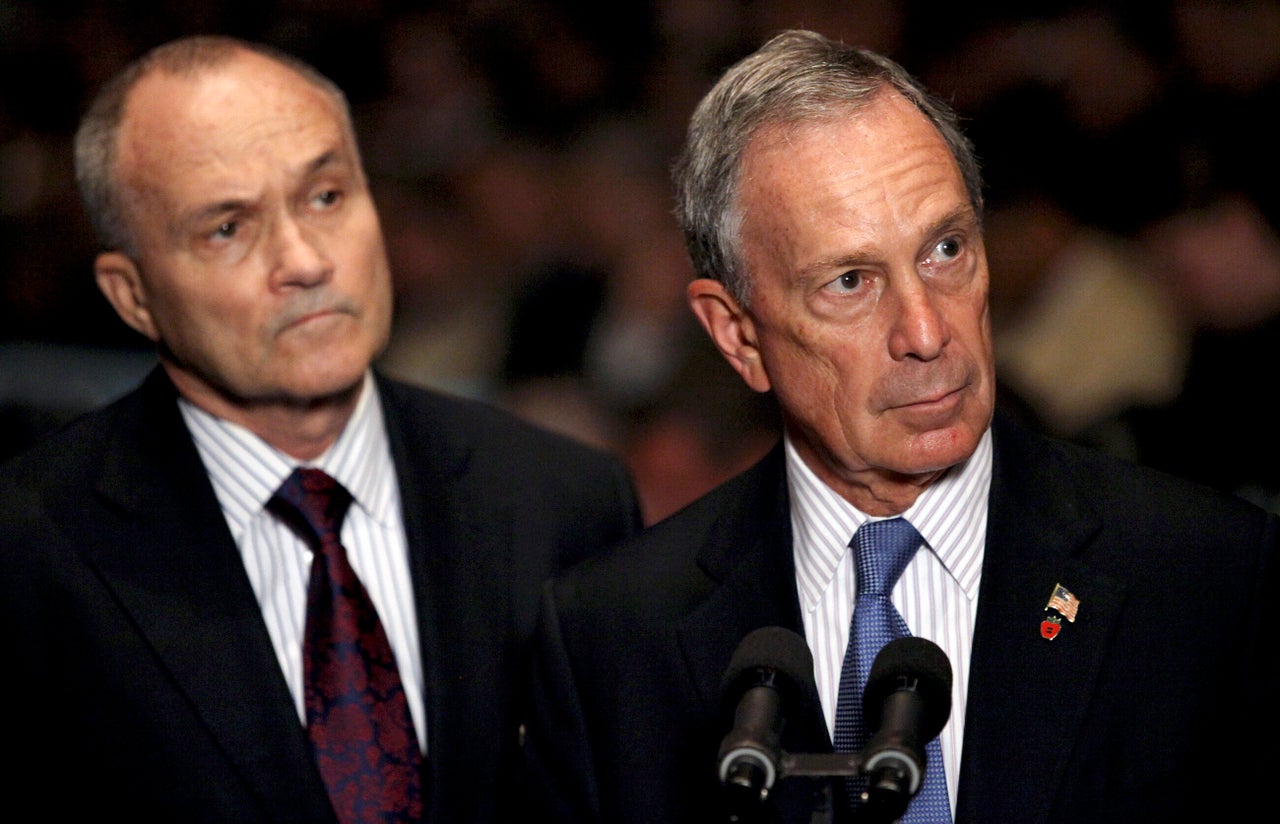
{"x":795,"y":76}
{"x":97,"y":138}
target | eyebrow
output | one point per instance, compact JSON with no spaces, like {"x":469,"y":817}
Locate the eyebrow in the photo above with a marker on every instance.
{"x":329,"y":158}
{"x":960,"y":216}
{"x":332,"y":157}
{"x":191,"y":220}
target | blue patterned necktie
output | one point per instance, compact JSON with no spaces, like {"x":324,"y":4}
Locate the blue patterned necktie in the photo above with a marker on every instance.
{"x":882,"y":550}
{"x":357,"y":712}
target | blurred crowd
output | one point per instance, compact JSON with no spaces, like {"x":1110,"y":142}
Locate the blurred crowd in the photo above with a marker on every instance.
{"x":519,"y":153}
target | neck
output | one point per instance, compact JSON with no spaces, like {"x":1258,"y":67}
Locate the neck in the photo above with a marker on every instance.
{"x":300,"y":428}
{"x":876,"y":492}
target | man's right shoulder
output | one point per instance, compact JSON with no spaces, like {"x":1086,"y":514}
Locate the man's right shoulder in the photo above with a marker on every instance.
{"x":69,"y":450}
{"x":743,"y":509}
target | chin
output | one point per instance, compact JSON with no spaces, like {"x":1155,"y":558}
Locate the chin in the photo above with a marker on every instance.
{"x":324,"y":383}
{"x":941,"y":449}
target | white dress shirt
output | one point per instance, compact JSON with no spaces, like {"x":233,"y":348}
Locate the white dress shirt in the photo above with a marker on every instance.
{"x":246,"y":471}
{"x":937,"y":594}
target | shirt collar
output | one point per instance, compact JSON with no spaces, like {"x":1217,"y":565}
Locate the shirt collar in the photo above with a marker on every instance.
{"x":246,"y":471}
{"x":950,"y":514}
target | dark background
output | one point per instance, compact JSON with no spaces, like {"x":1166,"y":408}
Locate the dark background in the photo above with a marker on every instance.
{"x":520,"y":152}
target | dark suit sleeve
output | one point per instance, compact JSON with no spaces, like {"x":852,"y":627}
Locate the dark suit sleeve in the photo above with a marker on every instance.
{"x":558,"y":760}
{"x":24,"y":686}
{"x":1262,"y":700}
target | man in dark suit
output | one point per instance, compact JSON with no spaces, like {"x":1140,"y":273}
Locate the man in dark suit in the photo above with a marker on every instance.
{"x":154,"y":605}
{"x":1107,"y":626}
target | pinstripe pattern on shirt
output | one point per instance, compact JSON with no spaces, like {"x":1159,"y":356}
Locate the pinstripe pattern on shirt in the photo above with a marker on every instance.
{"x":246,"y":471}
{"x":937,"y":594}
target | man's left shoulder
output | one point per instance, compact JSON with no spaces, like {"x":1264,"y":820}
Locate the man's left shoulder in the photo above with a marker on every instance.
{"x":1115,"y":484}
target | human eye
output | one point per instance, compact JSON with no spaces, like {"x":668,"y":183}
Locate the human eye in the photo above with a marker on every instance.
{"x":326,"y":199}
{"x":223,"y":234}
{"x":945,"y":251}
{"x":217,"y":232}
{"x":226,"y":230}
{"x":847,"y":282}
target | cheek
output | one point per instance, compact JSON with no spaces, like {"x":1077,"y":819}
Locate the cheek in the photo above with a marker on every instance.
{"x":360,"y":238}
{"x":380,"y":297}
{"x":365,"y":260}
{"x":977,"y":320}
{"x":212,"y":321}
{"x":816,"y":382}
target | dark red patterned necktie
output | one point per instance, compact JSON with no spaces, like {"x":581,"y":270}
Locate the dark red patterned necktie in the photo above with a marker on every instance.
{"x":357,"y":714}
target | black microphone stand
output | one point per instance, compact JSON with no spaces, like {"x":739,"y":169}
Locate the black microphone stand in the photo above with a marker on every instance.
{"x":875,"y":809}
{"x":907,"y":699}
{"x":822,"y":765}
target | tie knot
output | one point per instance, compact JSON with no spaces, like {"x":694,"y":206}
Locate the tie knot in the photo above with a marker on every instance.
{"x":882,"y":550}
{"x":312,"y":503}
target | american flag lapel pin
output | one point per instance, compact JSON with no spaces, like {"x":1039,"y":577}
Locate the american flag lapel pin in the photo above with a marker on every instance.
{"x":1062,"y":604}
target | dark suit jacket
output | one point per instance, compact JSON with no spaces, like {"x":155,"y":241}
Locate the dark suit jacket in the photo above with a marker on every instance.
{"x":139,"y":681}
{"x":1155,"y":704}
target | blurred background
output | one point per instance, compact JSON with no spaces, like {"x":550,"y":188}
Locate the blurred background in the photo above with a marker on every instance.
{"x":519,"y":153}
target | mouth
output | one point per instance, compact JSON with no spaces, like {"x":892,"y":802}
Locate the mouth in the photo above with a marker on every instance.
{"x":940,"y":398}
{"x":933,"y":408}
{"x":309,"y":319}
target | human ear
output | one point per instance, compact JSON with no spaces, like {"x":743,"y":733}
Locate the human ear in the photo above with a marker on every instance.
{"x":121,"y":283}
{"x":731,"y":329}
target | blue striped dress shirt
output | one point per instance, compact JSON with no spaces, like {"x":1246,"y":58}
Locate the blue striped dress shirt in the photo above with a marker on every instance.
{"x":937,"y":594}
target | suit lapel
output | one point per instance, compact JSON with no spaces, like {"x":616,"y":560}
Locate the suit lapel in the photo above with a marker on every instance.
{"x":1027,"y":694}
{"x":162,"y":546}
{"x":748,"y":558}
{"x":456,"y":546}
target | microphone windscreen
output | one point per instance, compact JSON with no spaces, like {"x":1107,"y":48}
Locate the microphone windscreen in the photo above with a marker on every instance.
{"x":780,"y":653}
{"x":919,"y":664}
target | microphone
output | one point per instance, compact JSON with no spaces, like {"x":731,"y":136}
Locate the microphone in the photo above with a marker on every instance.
{"x":770,"y":672}
{"x":907,"y":701}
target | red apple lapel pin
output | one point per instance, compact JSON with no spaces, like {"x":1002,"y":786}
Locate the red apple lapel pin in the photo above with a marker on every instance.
{"x":1062,"y":604}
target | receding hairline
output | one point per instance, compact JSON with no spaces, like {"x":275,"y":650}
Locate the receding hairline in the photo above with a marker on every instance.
{"x":229,"y":55}
{"x":797,"y":76}
{"x":97,"y":139}
{"x":193,"y":55}
{"x":136,"y":138}
{"x":777,"y":136}
{"x":779,"y":127}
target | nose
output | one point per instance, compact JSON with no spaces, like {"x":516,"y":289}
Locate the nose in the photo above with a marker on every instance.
{"x":299,"y":256}
{"x":919,"y":326}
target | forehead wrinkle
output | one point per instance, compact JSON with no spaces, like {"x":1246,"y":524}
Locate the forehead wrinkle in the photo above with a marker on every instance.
{"x":893,"y":193}
{"x":919,"y":179}
{"x":237,"y":106}
{"x":177,"y":119}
